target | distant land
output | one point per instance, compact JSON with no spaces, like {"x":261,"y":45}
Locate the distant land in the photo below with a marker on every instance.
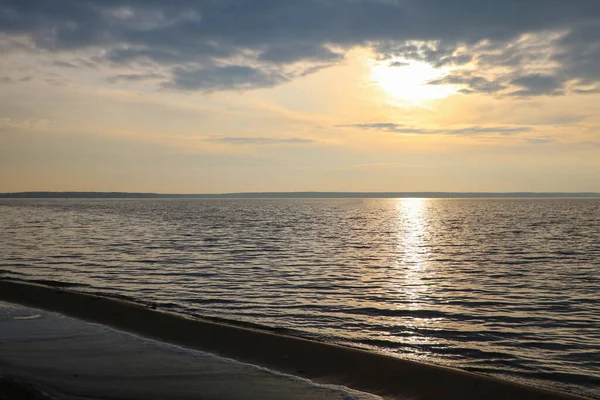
{"x":291,"y":195}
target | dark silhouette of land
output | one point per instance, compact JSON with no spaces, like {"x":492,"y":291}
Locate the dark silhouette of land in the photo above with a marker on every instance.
{"x":292,"y":195}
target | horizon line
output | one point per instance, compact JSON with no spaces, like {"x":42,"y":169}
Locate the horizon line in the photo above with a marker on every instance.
{"x":305,"y":194}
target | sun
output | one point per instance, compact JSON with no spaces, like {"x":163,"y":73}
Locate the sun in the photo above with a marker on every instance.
{"x":407,"y":80}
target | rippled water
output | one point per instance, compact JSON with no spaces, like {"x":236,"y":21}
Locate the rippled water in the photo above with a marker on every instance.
{"x":508,"y":287}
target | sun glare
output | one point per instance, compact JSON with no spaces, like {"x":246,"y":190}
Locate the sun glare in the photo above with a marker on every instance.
{"x":409,"y":81}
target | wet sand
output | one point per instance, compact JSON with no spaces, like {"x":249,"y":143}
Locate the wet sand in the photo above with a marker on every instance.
{"x":361,"y":370}
{"x":47,"y":355}
{"x":11,"y":389}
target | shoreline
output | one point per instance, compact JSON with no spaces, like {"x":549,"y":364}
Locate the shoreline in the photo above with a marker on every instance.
{"x":357,"y":369}
{"x":13,"y":389}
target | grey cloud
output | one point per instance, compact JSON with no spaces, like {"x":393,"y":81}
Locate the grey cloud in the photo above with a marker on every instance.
{"x":551,"y":120}
{"x":579,"y":53}
{"x":64,"y":64}
{"x":517,"y":83}
{"x":460,"y":59}
{"x":56,"y":81}
{"x":429,"y":52}
{"x":438,"y":53}
{"x":8,"y":79}
{"x":474,"y":83}
{"x":384,"y":126}
{"x":474,"y":130}
{"x":537,"y":84}
{"x":398,"y":64}
{"x":196,"y":38}
{"x":291,"y":53}
{"x":177,"y":54}
{"x":539,"y":140}
{"x":545,"y":63}
{"x":505,"y":130}
{"x":231,"y":77}
{"x":261,"y":141}
{"x":74,"y":63}
{"x":134,"y":77}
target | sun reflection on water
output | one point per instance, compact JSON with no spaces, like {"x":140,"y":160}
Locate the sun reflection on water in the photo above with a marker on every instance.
{"x":411,"y":247}
{"x":411,"y":265}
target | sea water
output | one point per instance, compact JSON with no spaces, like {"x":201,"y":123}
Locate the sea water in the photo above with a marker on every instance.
{"x":505,"y":287}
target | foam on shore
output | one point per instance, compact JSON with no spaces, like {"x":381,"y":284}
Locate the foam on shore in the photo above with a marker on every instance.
{"x":319,"y":362}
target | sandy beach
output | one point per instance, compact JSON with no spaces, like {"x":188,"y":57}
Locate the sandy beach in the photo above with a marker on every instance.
{"x":357,"y":369}
{"x":46,"y":355}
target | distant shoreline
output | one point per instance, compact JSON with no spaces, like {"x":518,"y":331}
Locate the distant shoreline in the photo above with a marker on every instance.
{"x":296,"y":195}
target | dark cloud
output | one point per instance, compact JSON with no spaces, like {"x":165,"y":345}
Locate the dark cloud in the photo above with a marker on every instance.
{"x":579,"y":53}
{"x":290,"y":53}
{"x":236,"y":77}
{"x":473,"y":130}
{"x":232,"y":44}
{"x":259,"y":140}
{"x":538,"y":84}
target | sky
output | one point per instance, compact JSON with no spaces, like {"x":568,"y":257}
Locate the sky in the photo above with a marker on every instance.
{"x":214,"y":96}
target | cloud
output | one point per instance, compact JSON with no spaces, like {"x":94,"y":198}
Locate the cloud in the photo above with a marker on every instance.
{"x":9,"y":80}
{"x":467,"y":131}
{"x":473,"y":83}
{"x":64,"y":64}
{"x":259,"y":141}
{"x":237,"y":77}
{"x":290,"y":53}
{"x":539,"y":140}
{"x":592,"y":90}
{"x":536,"y":64}
{"x":398,"y":64}
{"x":134,"y":77}
{"x":538,"y":84}
{"x":588,"y":143}
{"x":248,"y":44}
{"x":74,"y":63}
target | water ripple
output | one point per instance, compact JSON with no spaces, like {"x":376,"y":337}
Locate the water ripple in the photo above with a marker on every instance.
{"x":507,"y":287}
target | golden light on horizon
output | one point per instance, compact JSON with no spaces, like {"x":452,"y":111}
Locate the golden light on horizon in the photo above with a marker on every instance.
{"x":409,"y":81}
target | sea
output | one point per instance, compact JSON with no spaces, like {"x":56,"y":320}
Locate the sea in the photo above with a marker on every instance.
{"x":507,"y":287}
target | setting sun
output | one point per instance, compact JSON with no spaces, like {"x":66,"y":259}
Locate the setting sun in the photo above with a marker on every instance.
{"x":408,"y":81}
